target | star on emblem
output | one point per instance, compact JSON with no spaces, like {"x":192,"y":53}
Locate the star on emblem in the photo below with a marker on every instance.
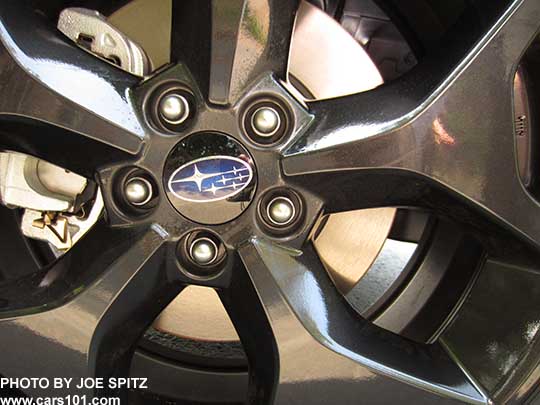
{"x":197,"y":177}
{"x":213,"y":189}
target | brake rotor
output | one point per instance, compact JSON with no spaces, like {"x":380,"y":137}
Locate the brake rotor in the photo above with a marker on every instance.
{"x":325,"y":62}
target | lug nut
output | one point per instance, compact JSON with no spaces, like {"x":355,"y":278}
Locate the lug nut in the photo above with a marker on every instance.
{"x":174,"y":108}
{"x":265,"y":121}
{"x":201,"y":254}
{"x":138,"y":191}
{"x":281,"y":211}
{"x":203,"y":251}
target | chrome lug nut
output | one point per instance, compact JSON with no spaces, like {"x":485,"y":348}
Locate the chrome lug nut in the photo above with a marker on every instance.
{"x":281,"y":211}
{"x":174,"y":108}
{"x":201,"y":254}
{"x":265,"y":121}
{"x":203,"y":251}
{"x":138,"y":191}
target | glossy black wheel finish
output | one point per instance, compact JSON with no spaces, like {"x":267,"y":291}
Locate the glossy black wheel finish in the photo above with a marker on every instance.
{"x":401,"y":144}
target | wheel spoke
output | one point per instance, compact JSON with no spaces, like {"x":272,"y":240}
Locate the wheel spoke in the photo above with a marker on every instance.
{"x":306,"y":346}
{"x":244,"y":39}
{"x":113,"y":286}
{"x":60,"y":94}
{"x":456,"y":131}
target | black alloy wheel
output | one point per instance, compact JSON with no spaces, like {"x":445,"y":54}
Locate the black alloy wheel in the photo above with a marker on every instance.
{"x":440,"y":137}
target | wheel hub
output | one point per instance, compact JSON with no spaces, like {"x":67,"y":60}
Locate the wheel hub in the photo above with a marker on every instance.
{"x":210,"y":178}
{"x":330,"y":74}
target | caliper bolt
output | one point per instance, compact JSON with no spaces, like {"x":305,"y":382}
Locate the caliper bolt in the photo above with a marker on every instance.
{"x":265,"y":121}
{"x":203,"y":251}
{"x":138,"y":191}
{"x":173,"y":108}
{"x":281,"y":211}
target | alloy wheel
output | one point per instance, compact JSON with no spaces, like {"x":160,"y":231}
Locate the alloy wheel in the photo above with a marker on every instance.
{"x":408,"y":143}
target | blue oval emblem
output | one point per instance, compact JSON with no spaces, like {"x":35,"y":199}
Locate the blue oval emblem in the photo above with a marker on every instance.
{"x":211,"y":178}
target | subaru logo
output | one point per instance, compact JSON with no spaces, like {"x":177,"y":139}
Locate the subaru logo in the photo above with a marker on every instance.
{"x":211,"y":178}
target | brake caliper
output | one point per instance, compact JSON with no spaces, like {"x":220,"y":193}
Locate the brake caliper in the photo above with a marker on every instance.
{"x":59,"y":206}
{"x":90,"y":30}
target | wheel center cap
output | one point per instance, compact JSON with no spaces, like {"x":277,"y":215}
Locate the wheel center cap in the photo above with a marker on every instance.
{"x":210,"y":178}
